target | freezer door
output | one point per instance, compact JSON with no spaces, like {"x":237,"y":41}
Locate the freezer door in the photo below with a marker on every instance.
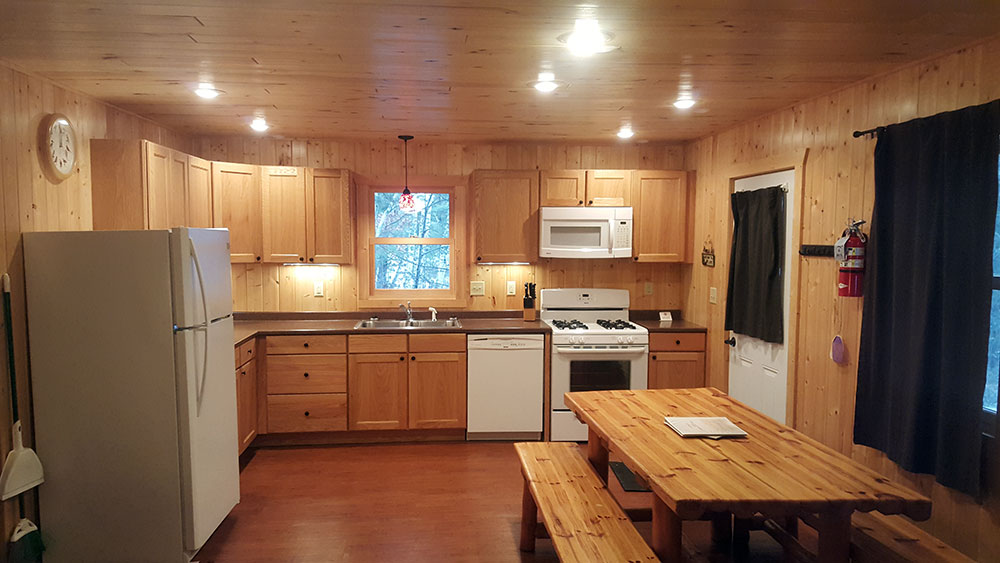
{"x":211,"y":248}
{"x":206,"y":405}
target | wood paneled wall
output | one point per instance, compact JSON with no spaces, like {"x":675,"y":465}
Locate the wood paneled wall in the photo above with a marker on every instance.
{"x":838,"y":184}
{"x":259,"y":287}
{"x":30,"y":202}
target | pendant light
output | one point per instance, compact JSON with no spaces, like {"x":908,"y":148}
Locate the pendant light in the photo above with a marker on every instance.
{"x":406,"y":201}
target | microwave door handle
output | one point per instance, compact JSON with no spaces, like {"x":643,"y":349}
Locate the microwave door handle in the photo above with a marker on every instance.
{"x":611,"y":237}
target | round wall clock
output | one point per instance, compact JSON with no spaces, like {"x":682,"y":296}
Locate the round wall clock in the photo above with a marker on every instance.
{"x":57,"y":146}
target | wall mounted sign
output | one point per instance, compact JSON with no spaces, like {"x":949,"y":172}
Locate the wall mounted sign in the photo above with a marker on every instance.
{"x":708,"y":253}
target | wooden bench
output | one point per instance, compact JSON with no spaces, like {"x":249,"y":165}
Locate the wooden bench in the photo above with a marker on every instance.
{"x":582,"y":518}
{"x":888,"y":539}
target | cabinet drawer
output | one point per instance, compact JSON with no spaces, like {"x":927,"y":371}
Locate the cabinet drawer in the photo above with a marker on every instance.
{"x":325,"y":412}
{"x":676,"y":341}
{"x":377,"y":343}
{"x":307,"y":374}
{"x":248,"y":350}
{"x":437,"y":342}
{"x":307,"y":344}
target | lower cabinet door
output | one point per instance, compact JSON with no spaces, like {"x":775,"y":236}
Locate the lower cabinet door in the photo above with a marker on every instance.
{"x":376,"y":385}
{"x":246,"y":403}
{"x":676,"y":370}
{"x":319,"y":412}
{"x":437,"y":395}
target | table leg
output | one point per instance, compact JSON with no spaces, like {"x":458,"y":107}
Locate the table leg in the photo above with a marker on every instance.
{"x":792,"y":527}
{"x":597,"y":453}
{"x":666,"y":532}
{"x":529,"y":519}
{"x":741,"y":536}
{"x":834,"y":536}
{"x":722,"y":530}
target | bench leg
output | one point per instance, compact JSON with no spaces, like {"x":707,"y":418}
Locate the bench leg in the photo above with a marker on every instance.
{"x":792,"y":527}
{"x":741,"y":537}
{"x":597,"y":453}
{"x":722,"y":530}
{"x":834,"y":536}
{"x":529,"y":519}
{"x":666,"y":532}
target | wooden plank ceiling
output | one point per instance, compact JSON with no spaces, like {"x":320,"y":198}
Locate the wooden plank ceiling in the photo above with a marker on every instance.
{"x":460,"y":70}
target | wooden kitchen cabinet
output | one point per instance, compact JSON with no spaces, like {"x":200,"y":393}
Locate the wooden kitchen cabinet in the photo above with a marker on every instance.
{"x":329,"y":216}
{"x":246,"y":404}
{"x":307,"y":413}
{"x":676,"y":360}
{"x":563,"y":188}
{"x":283,"y":213}
{"x":609,"y":188}
{"x":437,"y":390}
{"x":377,"y":391}
{"x":505,"y":215}
{"x":199,"y":199}
{"x":237,"y":206}
{"x":138,"y":185}
{"x":662,"y":208}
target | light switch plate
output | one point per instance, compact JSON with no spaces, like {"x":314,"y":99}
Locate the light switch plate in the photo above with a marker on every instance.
{"x":477,"y":288}
{"x":511,"y":287}
{"x":713,"y":295}
{"x":318,"y":288}
{"x":648,"y":289}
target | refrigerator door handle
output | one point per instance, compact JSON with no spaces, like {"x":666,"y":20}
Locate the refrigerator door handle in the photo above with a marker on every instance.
{"x":202,"y":326}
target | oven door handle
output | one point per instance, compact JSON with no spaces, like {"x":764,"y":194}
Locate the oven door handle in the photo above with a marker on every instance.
{"x":602,"y":351}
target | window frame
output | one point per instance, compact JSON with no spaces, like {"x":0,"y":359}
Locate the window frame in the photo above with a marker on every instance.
{"x":457,"y":294}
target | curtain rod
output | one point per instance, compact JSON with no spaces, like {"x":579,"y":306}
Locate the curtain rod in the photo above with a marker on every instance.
{"x":874,"y":132}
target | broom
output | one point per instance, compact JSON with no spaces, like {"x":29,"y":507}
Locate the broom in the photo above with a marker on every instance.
{"x":22,"y":469}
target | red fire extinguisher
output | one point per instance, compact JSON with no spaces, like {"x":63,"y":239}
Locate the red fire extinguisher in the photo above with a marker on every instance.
{"x":850,"y":252}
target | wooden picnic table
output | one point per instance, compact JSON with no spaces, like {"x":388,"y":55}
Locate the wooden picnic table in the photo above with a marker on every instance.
{"x":775,"y":471}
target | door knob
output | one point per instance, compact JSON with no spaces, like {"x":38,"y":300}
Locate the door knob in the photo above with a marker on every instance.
{"x":731,"y":341}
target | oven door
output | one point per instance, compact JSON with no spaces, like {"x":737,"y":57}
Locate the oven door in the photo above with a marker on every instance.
{"x":586,"y":368}
{"x":576,"y":238}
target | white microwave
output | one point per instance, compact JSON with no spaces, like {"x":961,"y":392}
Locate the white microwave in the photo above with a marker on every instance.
{"x":585,"y":232}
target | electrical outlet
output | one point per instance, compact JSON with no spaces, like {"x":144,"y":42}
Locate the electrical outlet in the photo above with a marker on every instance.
{"x":318,"y":288}
{"x":713,"y":295}
{"x":648,"y":289}
{"x":511,"y":287}
{"x":477,"y":288}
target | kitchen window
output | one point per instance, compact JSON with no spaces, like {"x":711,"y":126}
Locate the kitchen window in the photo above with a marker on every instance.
{"x":411,"y":255}
{"x":993,"y":364}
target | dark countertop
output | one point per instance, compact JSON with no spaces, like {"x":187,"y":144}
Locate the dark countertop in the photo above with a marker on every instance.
{"x":245,"y":329}
{"x":672,"y":326}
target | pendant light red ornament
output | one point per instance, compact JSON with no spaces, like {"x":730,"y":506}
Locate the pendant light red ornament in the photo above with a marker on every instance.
{"x":406,"y":202}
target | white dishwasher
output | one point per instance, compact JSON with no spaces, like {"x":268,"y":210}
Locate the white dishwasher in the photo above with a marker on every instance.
{"x":505,"y":386}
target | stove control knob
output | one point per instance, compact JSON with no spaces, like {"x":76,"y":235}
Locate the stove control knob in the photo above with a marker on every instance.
{"x":631,"y":339}
{"x":621,"y":339}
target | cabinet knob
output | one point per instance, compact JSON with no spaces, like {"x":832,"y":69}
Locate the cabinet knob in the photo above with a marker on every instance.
{"x":402,"y":358}
{"x":636,"y":258}
{"x":654,"y":356}
{"x":731,"y":341}
{"x":244,"y":372}
{"x":301,"y":259}
{"x":413,"y":358}
{"x":258,"y":258}
{"x":311,"y":259}
{"x":478,"y":258}
{"x":306,"y":413}
{"x":591,"y":202}
{"x":580,"y":202}
{"x":677,"y":342}
{"x":305,"y":374}
{"x":305,"y":344}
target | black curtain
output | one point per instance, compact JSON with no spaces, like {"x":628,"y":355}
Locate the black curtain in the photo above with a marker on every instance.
{"x":754,"y":306}
{"x":926,"y":324}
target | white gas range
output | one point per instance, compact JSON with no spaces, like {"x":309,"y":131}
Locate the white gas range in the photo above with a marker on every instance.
{"x":594,"y":347}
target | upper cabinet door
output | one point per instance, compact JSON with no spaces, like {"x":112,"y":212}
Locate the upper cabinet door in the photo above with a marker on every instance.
{"x":609,"y":188}
{"x":177,"y":176}
{"x":661,"y":216}
{"x":236,"y":206}
{"x":158,"y":196}
{"x":199,"y":195}
{"x":505,"y":215}
{"x":563,"y":188}
{"x":329,"y":216}
{"x":283,"y":197}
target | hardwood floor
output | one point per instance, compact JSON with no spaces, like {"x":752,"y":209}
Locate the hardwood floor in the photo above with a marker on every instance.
{"x":394,"y":502}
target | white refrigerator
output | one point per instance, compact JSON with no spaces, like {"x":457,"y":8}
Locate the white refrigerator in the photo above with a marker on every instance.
{"x":131,"y":348}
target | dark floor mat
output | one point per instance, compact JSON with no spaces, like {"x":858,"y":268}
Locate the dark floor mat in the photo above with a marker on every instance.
{"x":626,"y":478}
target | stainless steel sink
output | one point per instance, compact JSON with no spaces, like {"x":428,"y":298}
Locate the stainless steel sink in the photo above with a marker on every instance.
{"x":378,"y":323}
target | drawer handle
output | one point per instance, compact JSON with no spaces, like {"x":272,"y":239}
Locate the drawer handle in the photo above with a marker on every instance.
{"x":414,"y":358}
{"x":307,"y":413}
{"x":305,"y":344}
{"x":305,"y":374}
{"x":402,"y":358}
{"x":677,"y":342}
{"x":654,"y":357}
{"x":244,"y":372}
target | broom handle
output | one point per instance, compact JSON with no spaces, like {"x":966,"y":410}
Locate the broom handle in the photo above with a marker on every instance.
{"x":10,"y":348}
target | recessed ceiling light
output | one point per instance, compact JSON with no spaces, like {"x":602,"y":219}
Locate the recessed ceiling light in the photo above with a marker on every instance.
{"x":546,"y":82}
{"x":587,"y":38}
{"x":259,"y":124}
{"x":207,"y":90}
{"x":684,"y":103}
{"x":625,"y":132}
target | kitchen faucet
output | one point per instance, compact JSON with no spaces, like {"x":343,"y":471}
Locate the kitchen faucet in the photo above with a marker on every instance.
{"x":409,"y":311}
{"x":434,"y":313}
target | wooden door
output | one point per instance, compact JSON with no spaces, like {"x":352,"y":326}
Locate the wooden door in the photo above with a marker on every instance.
{"x":329,"y":216}
{"x":676,"y":370}
{"x":505,"y":215}
{"x":283,"y":213}
{"x":158,"y":196}
{"x":377,"y":394}
{"x":609,"y":188}
{"x":437,"y":393}
{"x":661,"y":216}
{"x":246,"y":404}
{"x":199,"y":194}
{"x":236,"y":206}
{"x":563,"y":188}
